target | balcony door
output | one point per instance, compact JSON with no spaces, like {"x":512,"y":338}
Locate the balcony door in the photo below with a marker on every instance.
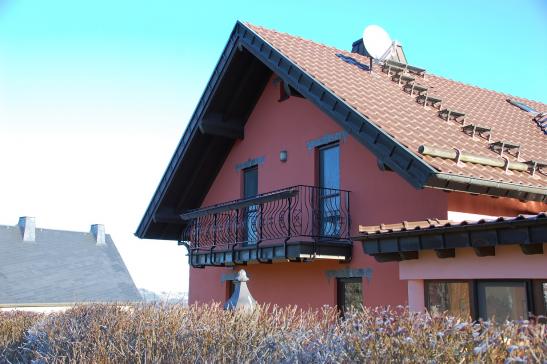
{"x":251,"y":213}
{"x":329,"y":190}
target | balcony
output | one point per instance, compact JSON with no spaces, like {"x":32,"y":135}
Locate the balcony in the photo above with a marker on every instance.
{"x":299,"y":223}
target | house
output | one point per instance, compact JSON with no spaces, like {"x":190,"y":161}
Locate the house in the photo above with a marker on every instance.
{"x":46,"y":269}
{"x":297,"y":151}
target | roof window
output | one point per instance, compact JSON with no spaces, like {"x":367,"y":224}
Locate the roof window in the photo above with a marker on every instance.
{"x":353,"y":62}
{"x":522,"y":106}
{"x":539,"y":117}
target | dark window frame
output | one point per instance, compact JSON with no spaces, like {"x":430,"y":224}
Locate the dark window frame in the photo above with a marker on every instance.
{"x":247,"y":211}
{"x":340,"y":296}
{"x":244,"y":171}
{"x":533,"y":297}
{"x":319,"y":183}
{"x":528,"y":292}
{"x":318,"y":150}
{"x":540,"y":301}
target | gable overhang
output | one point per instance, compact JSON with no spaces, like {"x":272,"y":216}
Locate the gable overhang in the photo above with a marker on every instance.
{"x":222,"y":112}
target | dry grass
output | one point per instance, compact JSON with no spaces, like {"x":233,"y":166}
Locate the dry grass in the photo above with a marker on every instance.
{"x":150,"y":333}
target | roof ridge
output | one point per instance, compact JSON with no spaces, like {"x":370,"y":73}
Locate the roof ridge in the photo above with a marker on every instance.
{"x":253,"y":26}
{"x":428,"y":73}
{"x":49,"y":229}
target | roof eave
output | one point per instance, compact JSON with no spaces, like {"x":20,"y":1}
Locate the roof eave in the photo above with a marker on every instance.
{"x":529,"y":233}
{"x":192,"y":127}
{"x":452,"y":182}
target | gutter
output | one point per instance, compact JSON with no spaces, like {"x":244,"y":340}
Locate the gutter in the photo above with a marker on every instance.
{"x":451,"y":182}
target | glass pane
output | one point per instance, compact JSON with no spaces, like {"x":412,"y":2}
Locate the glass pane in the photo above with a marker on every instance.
{"x":353,"y":295}
{"x":503,"y":300}
{"x":452,"y":297}
{"x":350,"y":293}
{"x":329,"y":167}
{"x":330,"y":216}
{"x":329,"y":196}
{"x":545,"y":295}
{"x":250,"y":182}
{"x":253,"y":223}
{"x":252,"y":218}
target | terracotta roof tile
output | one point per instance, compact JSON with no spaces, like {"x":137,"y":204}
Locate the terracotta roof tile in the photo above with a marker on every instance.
{"x":384,"y":103}
{"x":436,"y":223}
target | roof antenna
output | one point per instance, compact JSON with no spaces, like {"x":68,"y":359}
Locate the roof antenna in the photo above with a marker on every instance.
{"x":378,"y":44}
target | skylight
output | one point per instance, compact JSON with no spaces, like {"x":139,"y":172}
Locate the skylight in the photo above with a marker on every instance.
{"x":522,"y":106}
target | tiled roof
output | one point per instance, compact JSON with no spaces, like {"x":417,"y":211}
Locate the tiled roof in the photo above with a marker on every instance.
{"x":404,"y":241}
{"x":432,"y":224}
{"x":61,"y":267}
{"x":379,"y":99}
{"x":405,"y":225}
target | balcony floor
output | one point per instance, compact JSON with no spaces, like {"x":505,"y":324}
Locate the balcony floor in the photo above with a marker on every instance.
{"x":268,"y":252}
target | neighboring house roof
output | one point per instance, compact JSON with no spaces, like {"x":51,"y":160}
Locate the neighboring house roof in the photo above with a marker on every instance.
{"x":370,"y":106}
{"x":63,"y":267}
{"x":401,"y":241}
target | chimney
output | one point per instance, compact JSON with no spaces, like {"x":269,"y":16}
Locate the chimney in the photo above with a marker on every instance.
{"x":27,"y":225}
{"x":359,"y":48}
{"x":97,"y":230}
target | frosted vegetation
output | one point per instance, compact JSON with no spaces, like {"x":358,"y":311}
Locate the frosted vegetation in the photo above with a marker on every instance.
{"x":161,"y":333}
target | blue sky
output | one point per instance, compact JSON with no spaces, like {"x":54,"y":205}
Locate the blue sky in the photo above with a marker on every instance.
{"x":94,"y":95}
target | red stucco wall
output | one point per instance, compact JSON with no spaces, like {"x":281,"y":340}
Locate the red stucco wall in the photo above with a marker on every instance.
{"x":376,"y":197}
{"x":493,"y":206}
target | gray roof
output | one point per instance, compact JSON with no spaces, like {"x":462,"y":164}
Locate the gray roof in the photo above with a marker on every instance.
{"x":61,"y":267}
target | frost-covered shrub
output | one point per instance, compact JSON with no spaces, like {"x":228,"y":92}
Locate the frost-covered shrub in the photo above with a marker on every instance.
{"x":13,"y":326}
{"x":159,"y":333}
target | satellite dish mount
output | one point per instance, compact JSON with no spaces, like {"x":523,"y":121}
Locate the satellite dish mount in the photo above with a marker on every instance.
{"x":378,"y":44}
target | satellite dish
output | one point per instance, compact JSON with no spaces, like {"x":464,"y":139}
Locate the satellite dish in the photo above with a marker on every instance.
{"x":377,"y":42}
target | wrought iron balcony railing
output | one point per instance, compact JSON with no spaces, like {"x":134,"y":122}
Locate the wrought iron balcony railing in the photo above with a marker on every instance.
{"x":299,"y":213}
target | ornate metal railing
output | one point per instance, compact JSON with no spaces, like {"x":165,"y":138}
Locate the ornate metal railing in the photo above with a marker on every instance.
{"x":305,"y":213}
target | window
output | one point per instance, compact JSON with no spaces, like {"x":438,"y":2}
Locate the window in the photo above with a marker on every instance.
{"x":329,"y":194}
{"x":539,"y":288}
{"x":350,"y":293}
{"x":452,"y":297}
{"x":503,"y":300}
{"x":230,"y":288}
{"x":251,"y":213}
{"x":522,"y":106}
{"x":544,"y":286}
{"x":487,"y":299}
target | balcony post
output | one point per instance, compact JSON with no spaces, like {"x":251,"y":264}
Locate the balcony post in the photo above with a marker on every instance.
{"x":348,"y":224}
{"x":237,"y":226}
{"x":261,"y":220}
{"x":196,"y":232}
{"x":289,"y":219}
{"x":214,"y":229}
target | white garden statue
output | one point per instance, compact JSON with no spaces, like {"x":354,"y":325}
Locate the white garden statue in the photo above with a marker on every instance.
{"x":241,"y":298}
